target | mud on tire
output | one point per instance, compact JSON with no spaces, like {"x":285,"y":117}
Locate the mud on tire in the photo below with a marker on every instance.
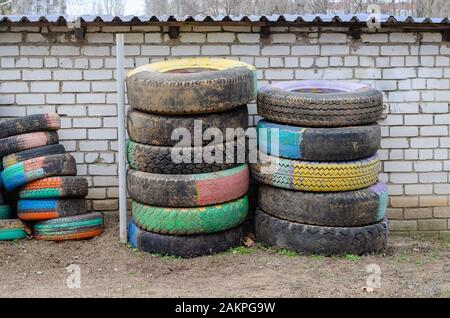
{"x":28,"y":124}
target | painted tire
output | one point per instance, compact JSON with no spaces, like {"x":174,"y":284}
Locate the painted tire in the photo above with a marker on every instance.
{"x":1,"y":197}
{"x":158,"y":159}
{"x":38,"y":168}
{"x":12,"y":229}
{"x":312,"y":239}
{"x":28,"y":124}
{"x":156,"y":130}
{"x":5,"y":212}
{"x":17,"y":157}
{"x":77,"y":227}
{"x":188,"y":221}
{"x":188,"y":190}
{"x":316,"y":176}
{"x":184,"y":246}
{"x":320,"y":103}
{"x":55,"y":187}
{"x":18,"y":143}
{"x":348,"y":208}
{"x":191,"y":86}
{"x":45,"y":209}
{"x":319,"y":144}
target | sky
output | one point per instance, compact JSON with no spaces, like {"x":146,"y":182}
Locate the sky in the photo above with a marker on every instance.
{"x":134,"y":7}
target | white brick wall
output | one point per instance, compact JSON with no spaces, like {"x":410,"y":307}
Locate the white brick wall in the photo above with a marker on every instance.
{"x":77,"y":79}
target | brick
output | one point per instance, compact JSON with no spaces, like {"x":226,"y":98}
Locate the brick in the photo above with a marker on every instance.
{"x":100,"y":38}
{"x":366,"y":50}
{"x":69,"y":134}
{"x":442,"y":188}
{"x":433,"y":201}
{"x":404,"y":201}
{"x":397,"y":166}
{"x":374,"y":38}
{"x":434,"y":107}
{"x":425,"y":142}
{"x":291,"y":61}
{"x":396,"y":214}
{"x":156,"y":50}
{"x":86,"y":122}
{"x":30,"y":99}
{"x":98,"y":74}
{"x":60,"y":98}
{"x":283,"y":38}
{"x":95,"y":50}
{"x":433,"y":177}
{"x":66,"y":75}
{"x":306,"y":62}
{"x":431,"y":37}
{"x":427,"y":72}
{"x":279,"y":74}
{"x":394,"y":143}
{"x":104,"y":133}
{"x":419,"y":213}
{"x":34,"y":50}
{"x":36,"y":75}
{"x":102,"y":169}
{"x":248,"y":37}
{"x":418,"y":120}
{"x":367,"y":73}
{"x":441,"y":212}
{"x":434,"y":131}
{"x":13,"y":87}
{"x":245,"y":49}
{"x":427,"y":166}
{"x":399,"y":73}
{"x":76,"y":87}
{"x":185,"y":50}
{"x":276,"y":62}
{"x":102,"y":110}
{"x":105,"y":205}
{"x":11,"y":37}
{"x":93,"y":145}
{"x":192,"y":37}
{"x":215,"y":50}
{"x":92,"y":98}
{"x":403,"y":225}
{"x":411,"y":189}
{"x":429,"y":50}
{"x":403,"y":131}
{"x":394,"y":50}
{"x":65,"y":50}
{"x":305,"y":50}
{"x":332,"y":50}
{"x":221,"y":37}
{"x":433,"y":224}
{"x":403,"y":37}
{"x":275,"y":50}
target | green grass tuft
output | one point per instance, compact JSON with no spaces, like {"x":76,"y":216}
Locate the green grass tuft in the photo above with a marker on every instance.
{"x":352,"y":257}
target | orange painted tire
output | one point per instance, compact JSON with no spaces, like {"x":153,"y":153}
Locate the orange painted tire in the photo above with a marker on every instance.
{"x":45,"y":209}
{"x":55,"y":187}
{"x":77,"y":227}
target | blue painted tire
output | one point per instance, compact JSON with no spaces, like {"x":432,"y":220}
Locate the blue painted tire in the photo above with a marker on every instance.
{"x":318,"y":144}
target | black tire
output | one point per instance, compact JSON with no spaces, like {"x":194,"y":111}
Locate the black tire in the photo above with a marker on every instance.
{"x":45,"y":209}
{"x":348,"y":208}
{"x":185,"y":246}
{"x":158,"y":159}
{"x":14,"y":158}
{"x":26,"y":141}
{"x":38,"y":168}
{"x":28,"y":124}
{"x":55,"y":187}
{"x":1,"y":197}
{"x":188,"y":190}
{"x":312,"y":239}
{"x":320,"y":144}
{"x":153,"y":129}
{"x":153,"y":90}
{"x":296,"y":103}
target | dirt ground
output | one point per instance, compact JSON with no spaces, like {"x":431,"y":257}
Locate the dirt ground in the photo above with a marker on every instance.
{"x":28,"y":268}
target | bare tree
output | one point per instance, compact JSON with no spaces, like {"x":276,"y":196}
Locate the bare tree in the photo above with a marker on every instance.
{"x":112,"y":7}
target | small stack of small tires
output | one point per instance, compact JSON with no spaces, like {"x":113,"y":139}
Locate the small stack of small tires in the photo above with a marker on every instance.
{"x":194,"y":206}
{"x":38,"y":167}
{"x":318,"y":168}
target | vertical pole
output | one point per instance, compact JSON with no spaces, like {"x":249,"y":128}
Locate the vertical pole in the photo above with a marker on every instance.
{"x":121,"y":138}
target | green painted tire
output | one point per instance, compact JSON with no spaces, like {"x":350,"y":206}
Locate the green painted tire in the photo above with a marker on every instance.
{"x":187,"y":221}
{"x":12,"y":229}
{"x":5,"y":212}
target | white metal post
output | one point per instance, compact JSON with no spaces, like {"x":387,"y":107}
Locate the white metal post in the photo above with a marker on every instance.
{"x":121,"y":138}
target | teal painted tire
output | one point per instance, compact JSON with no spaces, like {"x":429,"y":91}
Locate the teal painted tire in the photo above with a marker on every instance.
{"x":318,"y":144}
{"x":12,"y":229}
{"x":5,"y":212}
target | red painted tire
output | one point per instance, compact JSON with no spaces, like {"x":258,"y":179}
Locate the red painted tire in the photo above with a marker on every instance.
{"x":28,"y":124}
{"x":190,"y":190}
{"x":22,"y":142}
{"x":55,"y":187}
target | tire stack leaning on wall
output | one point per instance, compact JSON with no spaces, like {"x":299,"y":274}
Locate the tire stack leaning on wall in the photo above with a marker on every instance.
{"x":318,"y":168}
{"x":184,"y":204}
{"x":38,"y":167}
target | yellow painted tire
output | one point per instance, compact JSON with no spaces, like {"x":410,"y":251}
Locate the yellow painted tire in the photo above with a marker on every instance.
{"x":191,"y":86}
{"x":316,"y":176}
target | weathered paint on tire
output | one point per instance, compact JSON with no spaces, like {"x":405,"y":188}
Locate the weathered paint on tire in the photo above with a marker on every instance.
{"x":189,"y":221}
{"x":28,"y":124}
{"x":12,"y":229}
{"x":55,"y":187}
{"x":22,"y":142}
{"x":44,"y":209}
{"x":316,"y":176}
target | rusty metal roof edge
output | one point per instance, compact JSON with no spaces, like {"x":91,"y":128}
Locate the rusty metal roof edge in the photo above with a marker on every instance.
{"x":347,"y":19}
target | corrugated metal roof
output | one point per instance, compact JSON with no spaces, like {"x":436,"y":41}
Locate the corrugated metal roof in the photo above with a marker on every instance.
{"x":272,"y":19}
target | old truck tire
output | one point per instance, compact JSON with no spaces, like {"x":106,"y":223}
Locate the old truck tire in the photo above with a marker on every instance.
{"x":29,"y":124}
{"x":18,"y":143}
{"x":316,"y":176}
{"x":77,"y":227}
{"x":55,"y":187}
{"x":320,"y":103}
{"x":156,"y":130}
{"x":45,"y":209}
{"x":319,"y":144}
{"x":190,"y":190}
{"x":191,"y":160}
{"x":14,"y":158}
{"x":12,"y":229}
{"x":313,"y":239}
{"x":348,"y":208}
{"x":184,"y":246}
{"x":38,"y":168}
{"x":189,"y":221}
{"x":191,"y":86}
{"x":5,"y":212}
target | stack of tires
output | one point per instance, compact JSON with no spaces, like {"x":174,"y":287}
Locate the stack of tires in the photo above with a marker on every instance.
{"x":49,"y":192}
{"x":318,"y":168}
{"x":194,"y":205}
{"x":11,"y":228}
